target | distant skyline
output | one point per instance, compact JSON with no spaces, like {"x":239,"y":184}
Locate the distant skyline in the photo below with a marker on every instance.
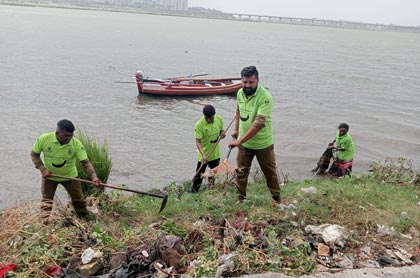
{"x":399,"y":12}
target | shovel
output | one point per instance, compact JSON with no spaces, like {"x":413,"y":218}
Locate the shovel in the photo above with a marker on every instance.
{"x":164,"y":197}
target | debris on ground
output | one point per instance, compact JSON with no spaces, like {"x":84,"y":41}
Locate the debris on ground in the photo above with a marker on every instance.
{"x":384,"y":230}
{"x":330,"y":234}
{"x":6,"y":268}
{"x":218,"y":241}
{"x":90,"y":254}
{"x":309,"y":190}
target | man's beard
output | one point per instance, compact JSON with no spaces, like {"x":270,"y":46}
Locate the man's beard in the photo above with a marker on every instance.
{"x":249,"y":91}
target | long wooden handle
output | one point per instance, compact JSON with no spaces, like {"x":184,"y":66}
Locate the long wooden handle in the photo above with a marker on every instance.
{"x":110,"y":186}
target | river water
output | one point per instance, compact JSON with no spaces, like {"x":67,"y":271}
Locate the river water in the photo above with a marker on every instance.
{"x":57,"y":63}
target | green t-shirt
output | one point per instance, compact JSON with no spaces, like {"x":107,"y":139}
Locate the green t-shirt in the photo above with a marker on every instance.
{"x":209,"y":134}
{"x":260,"y":103}
{"x":345,"y":142}
{"x":60,"y":159}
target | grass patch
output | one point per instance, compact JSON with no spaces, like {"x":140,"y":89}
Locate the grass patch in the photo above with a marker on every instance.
{"x":98,"y":154}
{"x":211,"y":225}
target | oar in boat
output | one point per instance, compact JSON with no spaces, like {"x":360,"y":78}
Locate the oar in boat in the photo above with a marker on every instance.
{"x":144,"y":81}
{"x":189,"y":76}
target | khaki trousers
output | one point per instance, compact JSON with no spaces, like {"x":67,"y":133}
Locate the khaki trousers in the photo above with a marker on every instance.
{"x":267,"y":160}
{"x":73,"y":188}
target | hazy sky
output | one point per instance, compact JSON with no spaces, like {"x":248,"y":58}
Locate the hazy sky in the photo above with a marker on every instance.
{"x":401,"y":12}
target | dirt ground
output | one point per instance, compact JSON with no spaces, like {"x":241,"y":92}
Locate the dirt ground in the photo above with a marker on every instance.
{"x":389,"y":272}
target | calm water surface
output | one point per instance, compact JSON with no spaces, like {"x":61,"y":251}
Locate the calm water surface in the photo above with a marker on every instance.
{"x":58,"y":64}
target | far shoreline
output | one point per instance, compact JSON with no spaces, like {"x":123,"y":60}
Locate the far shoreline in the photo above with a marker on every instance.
{"x":223,"y":16}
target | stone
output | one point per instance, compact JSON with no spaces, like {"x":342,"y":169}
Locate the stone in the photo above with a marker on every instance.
{"x":90,"y":268}
{"x":385,"y":260}
{"x":117,"y":259}
{"x":344,"y":263}
{"x":323,"y":250}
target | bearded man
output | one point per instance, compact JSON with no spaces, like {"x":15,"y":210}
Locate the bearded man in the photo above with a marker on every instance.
{"x":255,"y":136}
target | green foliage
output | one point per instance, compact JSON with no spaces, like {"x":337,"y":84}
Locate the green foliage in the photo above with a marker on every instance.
{"x":206,"y":265}
{"x":103,"y":237}
{"x":175,"y":229}
{"x":360,"y":202}
{"x":396,"y":171}
{"x":40,"y":247}
{"x":98,"y":154}
{"x":177,"y":190}
{"x":293,"y":255}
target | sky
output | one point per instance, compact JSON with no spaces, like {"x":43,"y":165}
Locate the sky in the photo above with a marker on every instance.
{"x":399,"y":12}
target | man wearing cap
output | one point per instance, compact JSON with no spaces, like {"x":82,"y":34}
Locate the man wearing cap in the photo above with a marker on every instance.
{"x":60,"y":152}
{"x":255,"y":136}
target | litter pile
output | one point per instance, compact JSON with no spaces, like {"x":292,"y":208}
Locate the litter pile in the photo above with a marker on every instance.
{"x":229,"y":242}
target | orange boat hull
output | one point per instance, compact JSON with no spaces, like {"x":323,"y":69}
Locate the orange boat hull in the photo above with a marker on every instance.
{"x":190,"y":86}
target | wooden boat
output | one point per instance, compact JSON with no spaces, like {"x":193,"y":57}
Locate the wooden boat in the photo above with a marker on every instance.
{"x":185,"y":86}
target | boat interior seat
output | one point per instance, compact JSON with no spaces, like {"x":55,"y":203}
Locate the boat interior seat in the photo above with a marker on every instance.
{"x":207,"y":83}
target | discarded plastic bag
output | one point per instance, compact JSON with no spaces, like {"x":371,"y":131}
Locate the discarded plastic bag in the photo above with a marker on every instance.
{"x":6,"y":268}
{"x":226,"y":264}
{"x":89,"y":254}
{"x":331,"y":234}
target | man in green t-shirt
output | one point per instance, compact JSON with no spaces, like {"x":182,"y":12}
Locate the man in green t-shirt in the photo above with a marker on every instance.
{"x":344,"y":147}
{"x":207,"y":131}
{"x":60,"y":152}
{"x":254,"y":132}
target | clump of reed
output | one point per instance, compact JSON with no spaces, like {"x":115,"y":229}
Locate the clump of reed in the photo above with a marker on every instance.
{"x":98,"y":154}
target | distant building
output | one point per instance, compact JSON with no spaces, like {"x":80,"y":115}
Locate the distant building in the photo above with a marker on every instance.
{"x":172,"y":5}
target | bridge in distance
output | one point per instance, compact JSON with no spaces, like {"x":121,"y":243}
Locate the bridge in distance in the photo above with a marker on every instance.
{"x":306,"y":21}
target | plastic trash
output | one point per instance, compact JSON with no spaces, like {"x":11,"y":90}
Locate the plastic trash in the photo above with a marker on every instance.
{"x":6,"y":268}
{"x":331,"y":234}
{"x":89,"y":254}
{"x":309,"y":190}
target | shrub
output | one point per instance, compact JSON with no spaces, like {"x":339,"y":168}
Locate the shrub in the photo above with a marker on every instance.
{"x":98,"y":154}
